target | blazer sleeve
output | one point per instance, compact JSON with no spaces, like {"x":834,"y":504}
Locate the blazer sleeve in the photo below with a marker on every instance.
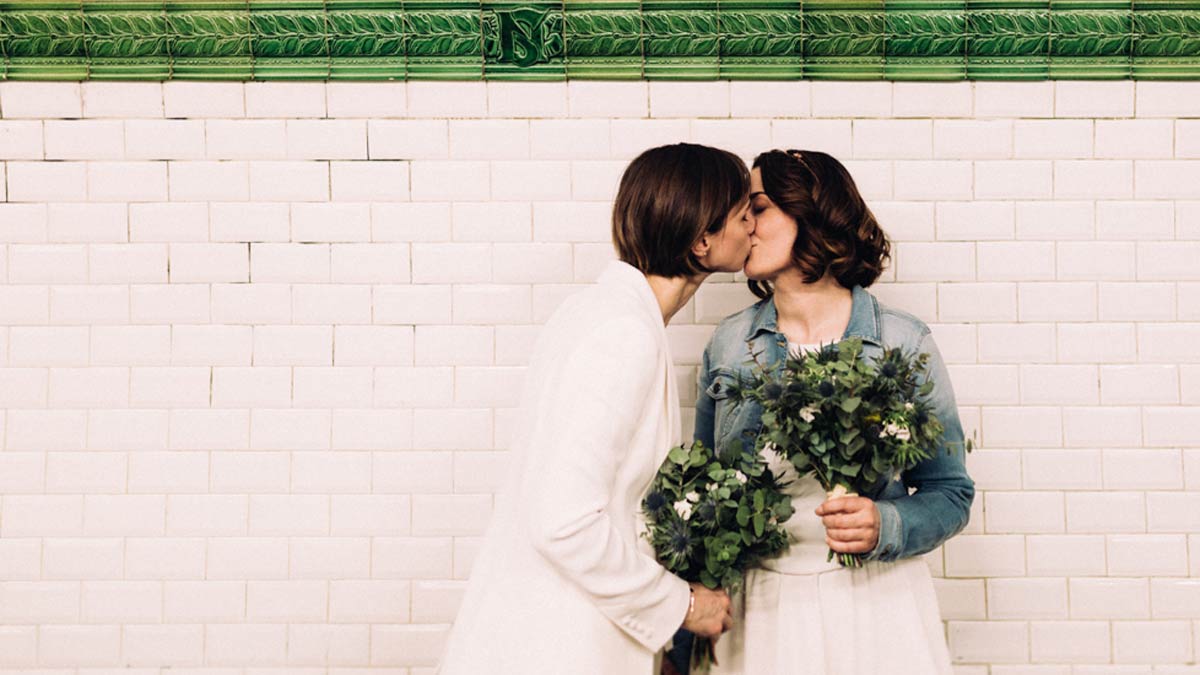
{"x":585,"y":429}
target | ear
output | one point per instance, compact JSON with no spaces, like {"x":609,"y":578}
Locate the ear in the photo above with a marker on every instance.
{"x":701,"y":247}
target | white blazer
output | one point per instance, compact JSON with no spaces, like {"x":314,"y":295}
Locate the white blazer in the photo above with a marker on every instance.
{"x":563,"y":583}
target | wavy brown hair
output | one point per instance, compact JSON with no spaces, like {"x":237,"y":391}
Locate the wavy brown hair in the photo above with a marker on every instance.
{"x":836,"y":231}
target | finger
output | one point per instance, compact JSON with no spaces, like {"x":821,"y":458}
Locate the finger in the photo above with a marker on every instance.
{"x":838,"y":505}
{"x":841,"y":521}
{"x":848,"y":546}
{"x":850,"y":534}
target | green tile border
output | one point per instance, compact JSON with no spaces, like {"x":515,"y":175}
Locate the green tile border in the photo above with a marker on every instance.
{"x":599,"y":39}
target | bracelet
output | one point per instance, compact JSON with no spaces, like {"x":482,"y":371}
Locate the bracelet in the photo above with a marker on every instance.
{"x":691,"y":600}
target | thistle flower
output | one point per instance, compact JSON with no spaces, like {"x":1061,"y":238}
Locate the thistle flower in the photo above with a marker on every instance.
{"x":772,"y":391}
{"x":825,"y":388}
{"x":655,"y":501}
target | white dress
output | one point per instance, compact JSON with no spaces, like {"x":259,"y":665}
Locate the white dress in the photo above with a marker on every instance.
{"x":802,"y":615}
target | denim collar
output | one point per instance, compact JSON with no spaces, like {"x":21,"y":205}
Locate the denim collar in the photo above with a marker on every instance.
{"x":864,"y":317}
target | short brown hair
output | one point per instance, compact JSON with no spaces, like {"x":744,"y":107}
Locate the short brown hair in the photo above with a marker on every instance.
{"x":837,"y":233}
{"x":669,"y":197}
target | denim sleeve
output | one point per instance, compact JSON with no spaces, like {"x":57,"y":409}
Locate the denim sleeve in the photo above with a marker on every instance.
{"x":939,"y":509}
{"x":705,"y":405}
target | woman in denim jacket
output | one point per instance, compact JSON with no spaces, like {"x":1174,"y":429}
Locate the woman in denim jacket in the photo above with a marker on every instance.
{"x":815,"y":247}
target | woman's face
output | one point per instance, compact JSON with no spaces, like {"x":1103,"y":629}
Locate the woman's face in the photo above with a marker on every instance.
{"x":773,"y":236}
{"x":729,"y":247}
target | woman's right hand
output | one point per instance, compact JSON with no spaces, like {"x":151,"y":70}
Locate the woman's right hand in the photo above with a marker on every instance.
{"x":710,"y":615}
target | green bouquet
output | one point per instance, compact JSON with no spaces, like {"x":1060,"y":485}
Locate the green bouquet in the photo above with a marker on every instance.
{"x":712,"y":516}
{"x":850,"y":421}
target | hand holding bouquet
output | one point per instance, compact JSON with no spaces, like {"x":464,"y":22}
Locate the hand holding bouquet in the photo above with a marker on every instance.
{"x":712,"y":516}
{"x":851,"y":422}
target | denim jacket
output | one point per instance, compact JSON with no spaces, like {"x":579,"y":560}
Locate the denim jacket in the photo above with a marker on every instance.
{"x":941,"y":491}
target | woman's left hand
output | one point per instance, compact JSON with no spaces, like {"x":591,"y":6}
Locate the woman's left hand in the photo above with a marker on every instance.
{"x":851,"y":524}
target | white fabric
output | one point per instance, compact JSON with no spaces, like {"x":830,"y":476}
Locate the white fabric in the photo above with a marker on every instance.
{"x":563,"y":582}
{"x":803,"y":615}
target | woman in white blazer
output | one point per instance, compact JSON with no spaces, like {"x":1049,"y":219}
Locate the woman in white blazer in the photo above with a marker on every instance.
{"x":563,"y":583}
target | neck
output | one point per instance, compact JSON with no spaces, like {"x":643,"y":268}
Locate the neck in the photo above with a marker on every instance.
{"x":812,"y":313}
{"x":673,"y":293}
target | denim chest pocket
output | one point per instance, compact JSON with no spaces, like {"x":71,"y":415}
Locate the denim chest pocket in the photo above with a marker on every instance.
{"x":722,"y":390}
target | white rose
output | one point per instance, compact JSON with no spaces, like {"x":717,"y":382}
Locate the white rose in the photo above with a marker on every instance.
{"x":692,"y":497}
{"x":909,"y":406}
{"x":903,"y":434}
{"x":808,"y":413}
{"x":741,"y":477}
{"x":684,"y":509}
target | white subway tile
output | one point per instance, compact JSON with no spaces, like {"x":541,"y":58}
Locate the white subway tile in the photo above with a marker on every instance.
{"x":770,"y":99}
{"x":122,"y":99}
{"x":285,"y":99}
{"x":527,"y":99}
{"x":1080,"y":98}
{"x":245,"y":139}
{"x":1070,"y":641}
{"x":989,"y":641}
{"x":1062,"y":385}
{"x":84,"y":139}
{"x":972,"y":139}
{"x":164,"y":139}
{"x":1022,"y":426}
{"x":1016,"y":261}
{"x":447,"y":99}
{"x":369,"y":181}
{"x":1057,"y":301}
{"x":542,"y":180}
{"x":489,"y":139}
{"x":934,"y":179}
{"x":182,"y":98}
{"x":985,"y":555}
{"x":326,"y":139}
{"x":1027,"y":599}
{"x":689,"y":99}
{"x":366,"y":99}
{"x":982,"y":302}
{"x":1070,"y":555}
{"x":246,"y":387}
{"x":832,"y":136}
{"x":1014,"y":179}
{"x":331,"y":222}
{"x":1014,"y":99}
{"x":296,"y":181}
{"x":1052,"y":139}
{"x":1167,"y":179}
{"x":211,"y":345}
{"x":1158,"y":642}
{"x":1061,"y":469}
{"x":608,"y":99}
{"x":196,"y":181}
{"x":41,"y":99}
{"x":459,"y":180}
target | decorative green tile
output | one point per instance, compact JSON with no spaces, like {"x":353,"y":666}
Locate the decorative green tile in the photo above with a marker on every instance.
{"x":926,"y":39}
{"x":845,"y":39}
{"x":1008,"y":39}
{"x":1091,"y":39}
{"x":603,"y":39}
{"x":609,"y":39}
{"x":127,"y":39}
{"x":45,"y":40}
{"x":210,"y":39}
{"x":366,"y":39}
{"x":1166,"y":43}
{"x":680,"y":40}
{"x":290,"y":39}
{"x":444,"y":39}
{"x":523,"y":40}
{"x":761,"y":40}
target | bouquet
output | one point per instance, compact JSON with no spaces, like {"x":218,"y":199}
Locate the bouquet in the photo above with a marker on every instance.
{"x":711,"y":516}
{"x":850,"y":422}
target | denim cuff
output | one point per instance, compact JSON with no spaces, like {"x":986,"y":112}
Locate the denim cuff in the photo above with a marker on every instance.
{"x":891,"y":533}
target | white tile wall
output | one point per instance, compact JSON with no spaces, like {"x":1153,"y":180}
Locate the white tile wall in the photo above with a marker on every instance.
{"x":260,"y":345}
